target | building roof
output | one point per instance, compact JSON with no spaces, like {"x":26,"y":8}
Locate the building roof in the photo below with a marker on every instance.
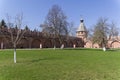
{"x":81,"y":26}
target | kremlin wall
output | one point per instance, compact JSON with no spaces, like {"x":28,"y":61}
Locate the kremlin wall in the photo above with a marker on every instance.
{"x":113,"y":42}
{"x":34,"y":39}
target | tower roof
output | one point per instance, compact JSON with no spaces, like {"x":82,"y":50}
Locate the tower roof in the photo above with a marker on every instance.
{"x":81,"y":26}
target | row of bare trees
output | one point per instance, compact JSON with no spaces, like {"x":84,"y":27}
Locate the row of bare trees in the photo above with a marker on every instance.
{"x":56,"y":23}
{"x":103,"y":31}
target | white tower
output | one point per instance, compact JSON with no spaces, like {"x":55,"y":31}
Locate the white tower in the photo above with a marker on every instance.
{"x":81,"y":31}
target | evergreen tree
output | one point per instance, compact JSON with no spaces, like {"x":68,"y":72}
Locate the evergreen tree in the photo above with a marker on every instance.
{"x":3,"y":24}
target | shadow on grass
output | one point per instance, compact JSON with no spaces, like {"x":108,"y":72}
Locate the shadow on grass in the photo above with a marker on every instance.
{"x":91,"y":49}
{"x":114,"y":49}
{"x":86,"y":49}
{"x":45,"y":59}
{"x":39,"y":60}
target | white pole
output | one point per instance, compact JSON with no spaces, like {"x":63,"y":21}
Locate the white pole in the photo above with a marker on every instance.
{"x":40,"y":46}
{"x":74,"y":46}
{"x":14,"y":55}
{"x":104,"y":49}
{"x":1,"y":45}
{"x":62,"y":46}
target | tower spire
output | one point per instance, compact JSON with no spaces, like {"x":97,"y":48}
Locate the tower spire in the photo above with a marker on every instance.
{"x":82,"y":27}
{"x":82,"y":31}
{"x":81,"y":20}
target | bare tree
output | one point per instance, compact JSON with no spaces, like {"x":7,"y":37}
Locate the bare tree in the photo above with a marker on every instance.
{"x":113,"y":30}
{"x":100,"y":32}
{"x":71,"y":29}
{"x":56,"y":23}
{"x":15,"y":32}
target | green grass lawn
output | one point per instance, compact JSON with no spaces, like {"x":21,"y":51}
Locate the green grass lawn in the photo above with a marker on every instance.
{"x":68,"y":64}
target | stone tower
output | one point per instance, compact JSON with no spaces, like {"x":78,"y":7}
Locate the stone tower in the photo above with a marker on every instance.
{"x":81,"y":31}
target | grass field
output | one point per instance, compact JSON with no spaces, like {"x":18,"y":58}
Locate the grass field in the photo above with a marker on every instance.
{"x":68,"y":64}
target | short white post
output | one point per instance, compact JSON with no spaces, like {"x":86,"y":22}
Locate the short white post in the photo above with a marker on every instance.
{"x":1,"y":45}
{"x":40,"y":46}
{"x":62,"y":46}
{"x":74,"y":46}
{"x":104,"y":49}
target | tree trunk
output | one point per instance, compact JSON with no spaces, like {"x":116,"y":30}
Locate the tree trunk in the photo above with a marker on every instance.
{"x":1,"y":45}
{"x":104,"y":45}
{"x":54,"y":47}
{"x":54,"y":43}
{"x":14,"y":53}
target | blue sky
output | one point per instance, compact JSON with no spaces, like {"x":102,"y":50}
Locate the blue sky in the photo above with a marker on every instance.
{"x":35,"y":11}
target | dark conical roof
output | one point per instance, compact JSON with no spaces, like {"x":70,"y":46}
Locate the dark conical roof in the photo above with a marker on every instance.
{"x":81,"y":26}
